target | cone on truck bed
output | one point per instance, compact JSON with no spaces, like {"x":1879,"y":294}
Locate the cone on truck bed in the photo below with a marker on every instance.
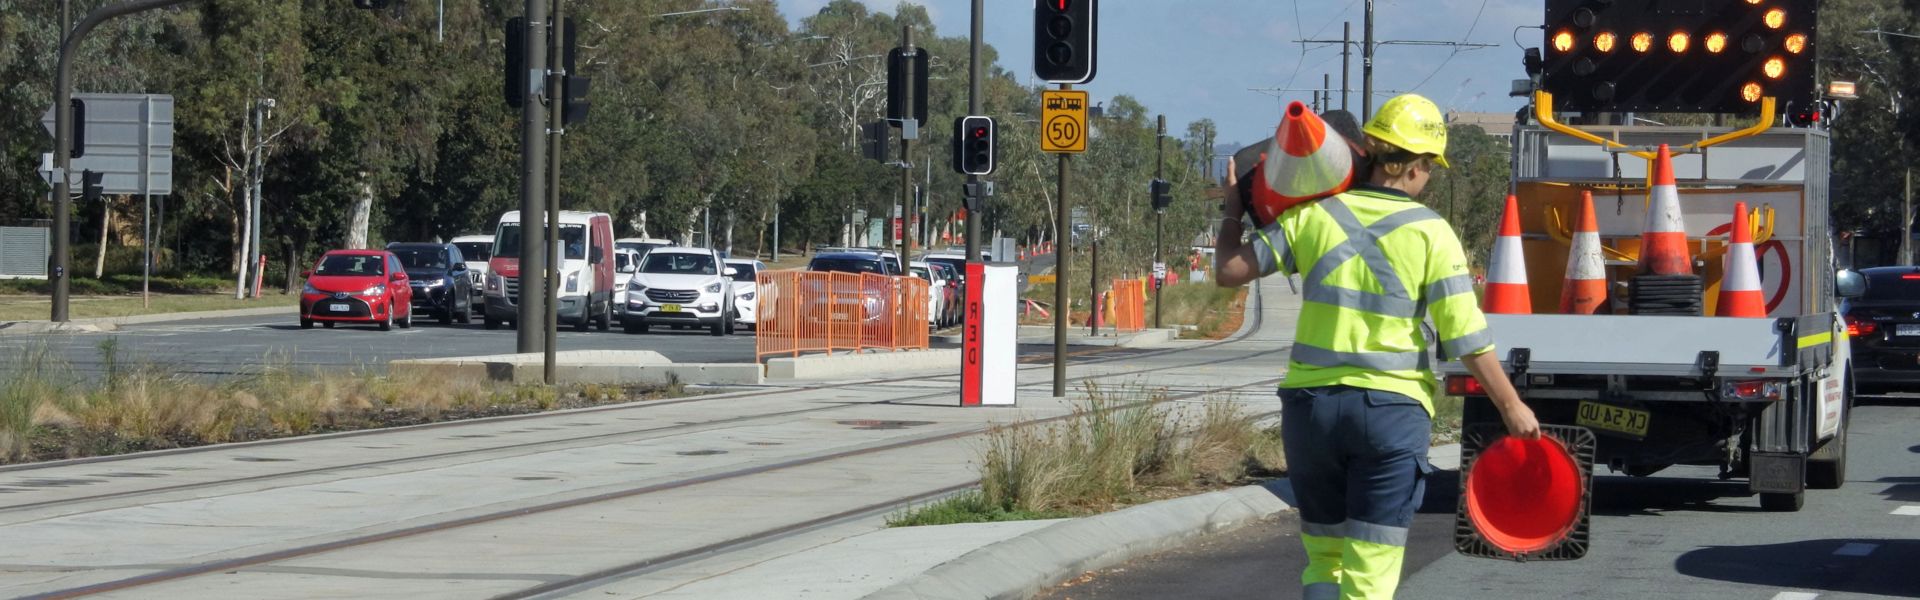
{"x":1507,"y":291}
{"x":1585,"y":290}
{"x":1666,"y":284}
{"x":1740,"y":279}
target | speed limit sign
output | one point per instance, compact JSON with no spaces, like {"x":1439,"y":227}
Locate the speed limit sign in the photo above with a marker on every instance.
{"x":1063,"y":121}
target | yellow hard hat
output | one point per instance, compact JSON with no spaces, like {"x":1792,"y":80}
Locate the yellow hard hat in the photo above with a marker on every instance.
{"x":1412,"y":123}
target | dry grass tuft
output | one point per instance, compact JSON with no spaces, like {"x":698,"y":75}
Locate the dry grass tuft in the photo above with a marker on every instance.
{"x":48,"y":412}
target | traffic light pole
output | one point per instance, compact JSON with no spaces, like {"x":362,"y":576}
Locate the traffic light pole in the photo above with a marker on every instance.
{"x":528,"y":331}
{"x":556,"y":127}
{"x":1062,"y":251}
{"x":1159,"y":215}
{"x":906,"y":153}
{"x":976,"y":72}
{"x":63,"y":142}
{"x":1366,"y":67}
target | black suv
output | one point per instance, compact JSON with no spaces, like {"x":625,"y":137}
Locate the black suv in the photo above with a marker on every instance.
{"x":440,"y":283}
{"x":1884,"y":324}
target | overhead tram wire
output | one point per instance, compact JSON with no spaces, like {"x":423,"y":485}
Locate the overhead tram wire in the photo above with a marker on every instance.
{"x":1456,"y":49}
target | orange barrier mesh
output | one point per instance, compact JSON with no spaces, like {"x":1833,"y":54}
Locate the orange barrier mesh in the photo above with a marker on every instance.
{"x":803,"y":311}
{"x":1127,"y":305}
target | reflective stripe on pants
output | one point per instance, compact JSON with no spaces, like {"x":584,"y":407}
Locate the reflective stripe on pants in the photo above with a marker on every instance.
{"x":1357,"y":459}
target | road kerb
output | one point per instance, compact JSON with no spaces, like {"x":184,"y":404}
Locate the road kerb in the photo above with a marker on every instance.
{"x":114,"y":323}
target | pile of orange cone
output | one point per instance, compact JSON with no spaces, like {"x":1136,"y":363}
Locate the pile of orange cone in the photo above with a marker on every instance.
{"x":1507,"y":291}
{"x":1663,"y":242}
{"x":1585,"y":289}
{"x":1740,"y":283}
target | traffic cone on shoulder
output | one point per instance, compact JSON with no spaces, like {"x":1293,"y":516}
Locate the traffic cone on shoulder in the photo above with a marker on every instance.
{"x":1507,"y":291}
{"x":1585,"y":290}
{"x":1663,"y":242}
{"x":1305,"y":160}
{"x":1740,"y":281}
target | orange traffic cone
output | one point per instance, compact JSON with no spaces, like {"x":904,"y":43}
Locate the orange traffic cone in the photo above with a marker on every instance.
{"x":1585,"y":291}
{"x":1663,"y":242}
{"x":1507,"y":291}
{"x":1740,"y":284}
{"x":1305,"y":160}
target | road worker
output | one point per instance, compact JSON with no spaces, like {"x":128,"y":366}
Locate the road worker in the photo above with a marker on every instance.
{"x":1357,"y":400}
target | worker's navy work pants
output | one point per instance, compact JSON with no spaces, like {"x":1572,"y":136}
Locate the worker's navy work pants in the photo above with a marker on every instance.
{"x":1357,"y":459}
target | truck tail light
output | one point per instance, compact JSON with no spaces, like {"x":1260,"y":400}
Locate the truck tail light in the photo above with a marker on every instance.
{"x":1762,"y":389}
{"x":1464,"y":385}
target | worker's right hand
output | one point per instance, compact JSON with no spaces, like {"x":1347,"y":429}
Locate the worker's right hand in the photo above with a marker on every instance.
{"x":1230,"y":206}
{"x":1520,"y":421}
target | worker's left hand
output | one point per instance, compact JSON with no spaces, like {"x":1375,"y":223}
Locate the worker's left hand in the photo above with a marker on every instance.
{"x":1520,"y":421}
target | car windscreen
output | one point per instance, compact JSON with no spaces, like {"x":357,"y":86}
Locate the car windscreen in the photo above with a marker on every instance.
{"x":352,"y":265}
{"x":572,"y":237}
{"x":743,"y":273}
{"x":421,"y":259}
{"x":475,"y":251}
{"x":678,"y":264}
{"x":1893,"y":287}
{"x":845,"y":265}
{"x":922,"y":273}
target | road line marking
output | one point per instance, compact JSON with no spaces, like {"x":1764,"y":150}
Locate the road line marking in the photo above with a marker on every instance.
{"x":1910,"y":510}
{"x":1795,"y":596}
{"x":1856,"y":549}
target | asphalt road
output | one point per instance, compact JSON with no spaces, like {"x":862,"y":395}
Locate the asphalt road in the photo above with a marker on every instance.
{"x":1677,"y":535}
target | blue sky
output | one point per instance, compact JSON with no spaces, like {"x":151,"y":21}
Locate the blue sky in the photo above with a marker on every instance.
{"x":1196,"y":58}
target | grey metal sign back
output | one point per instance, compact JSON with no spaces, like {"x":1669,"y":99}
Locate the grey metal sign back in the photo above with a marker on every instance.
{"x":129,"y":139}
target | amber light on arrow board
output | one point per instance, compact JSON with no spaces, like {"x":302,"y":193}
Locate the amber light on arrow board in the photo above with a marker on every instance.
{"x":1642,"y":42}
{"x":1604,"y":42}
{"x":1563,"y":41}
{"x":1750,"y":92}
{"x":1716,"y":42}
{"x":1775,"y":18}
{"x":1678,"y":42}
{"x":1775,"y":67}
{"x":1797,"y":43}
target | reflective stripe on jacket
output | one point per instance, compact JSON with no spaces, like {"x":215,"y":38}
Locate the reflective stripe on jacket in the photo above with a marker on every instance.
{"x":1377,"y":265}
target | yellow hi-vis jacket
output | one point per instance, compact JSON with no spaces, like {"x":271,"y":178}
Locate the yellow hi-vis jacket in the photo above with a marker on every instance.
{"x":1376,"y":265}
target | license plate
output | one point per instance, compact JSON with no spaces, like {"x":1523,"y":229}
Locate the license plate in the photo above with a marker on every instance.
{"x":1617,"y":419}
{"x":1906,"y":330}
{"x":339,"y":307}
{"x":672,"y":308}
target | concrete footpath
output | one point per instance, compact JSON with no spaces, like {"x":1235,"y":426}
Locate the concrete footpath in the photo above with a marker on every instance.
{"x":100,"y":324}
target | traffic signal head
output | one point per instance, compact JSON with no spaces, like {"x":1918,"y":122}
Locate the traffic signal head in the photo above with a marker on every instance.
{"x":1161,"y":191}
{"x":874,"y":139}
{"x":1701,"y":56}
{"x":1065,"y":33}
{"x":90,"y":188}
{"x":974,"y":148}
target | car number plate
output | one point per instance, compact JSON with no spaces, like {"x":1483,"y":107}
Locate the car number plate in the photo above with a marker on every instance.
{"x":672,"y":308}
{"x":339,"y":307}
{"x":1617,"y":419}
{"x":1906,"y":330}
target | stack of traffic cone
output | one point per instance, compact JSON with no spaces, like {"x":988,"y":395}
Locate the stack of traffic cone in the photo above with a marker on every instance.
{"x":1585,"y":290}
{"x":1666,"y":284}
{"x":1305,"y":160}
{"x":1740,"y":279}
{"x":1507,"y":291}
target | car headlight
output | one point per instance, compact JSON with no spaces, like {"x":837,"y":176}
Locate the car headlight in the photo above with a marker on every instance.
{"x":573,"y":281}
{"x":374,"y":291}
{"x":309,"y":289}
{"x":433,"y":283}
{"x":493,"y":282}
{"x":715,"y":288}
{"x":747,"y":296}
{"x":635,"y":286}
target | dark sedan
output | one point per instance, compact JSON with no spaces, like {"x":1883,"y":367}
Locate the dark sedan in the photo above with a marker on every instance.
{"x":1884,"y":324}
{"x":441,"y":286}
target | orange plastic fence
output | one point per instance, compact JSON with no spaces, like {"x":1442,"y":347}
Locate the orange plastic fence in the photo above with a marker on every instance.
{"x":801,"y":311}
{"x":1128,"y":304}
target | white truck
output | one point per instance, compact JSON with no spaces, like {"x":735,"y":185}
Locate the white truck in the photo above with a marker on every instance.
{"x":1764,"y":399}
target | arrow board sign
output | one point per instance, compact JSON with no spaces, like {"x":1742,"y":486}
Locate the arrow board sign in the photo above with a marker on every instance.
{"x":129,"y":139}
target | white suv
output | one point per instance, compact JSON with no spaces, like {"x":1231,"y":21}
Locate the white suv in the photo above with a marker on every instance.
{"x":681,"y":287}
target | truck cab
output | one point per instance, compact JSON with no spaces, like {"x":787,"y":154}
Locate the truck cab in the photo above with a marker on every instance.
{"x":583,"y":292}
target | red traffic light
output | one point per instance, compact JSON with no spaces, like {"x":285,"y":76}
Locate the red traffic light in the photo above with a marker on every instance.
{"x":979,"y":132}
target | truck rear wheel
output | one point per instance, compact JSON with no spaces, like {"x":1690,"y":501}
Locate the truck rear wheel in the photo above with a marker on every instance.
{"x":1780,"y":502}
{"x":1827,"y":467}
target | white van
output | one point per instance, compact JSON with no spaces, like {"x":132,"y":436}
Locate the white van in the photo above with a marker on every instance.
{"x":476,"y":250}
{"x":584,"y":292}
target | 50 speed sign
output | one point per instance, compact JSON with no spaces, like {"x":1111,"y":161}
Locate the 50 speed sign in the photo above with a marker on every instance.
{"x":1063,"y":121}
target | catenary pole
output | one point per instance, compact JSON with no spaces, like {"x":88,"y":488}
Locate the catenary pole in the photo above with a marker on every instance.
{"x":529,"y":335}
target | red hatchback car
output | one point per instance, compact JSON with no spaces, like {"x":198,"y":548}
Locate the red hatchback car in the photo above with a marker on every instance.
{"x":357,"y":286}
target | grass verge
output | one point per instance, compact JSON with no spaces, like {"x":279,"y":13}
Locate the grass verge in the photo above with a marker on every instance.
{"x":1115,"y":450}
{"x":1214,"y":311}
{"x":1446,"y":419}
{"x":48,"y":412}
{"x":34,"y":308}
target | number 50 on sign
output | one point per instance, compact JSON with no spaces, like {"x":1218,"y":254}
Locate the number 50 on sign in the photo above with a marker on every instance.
{"x":1063,"y":121}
